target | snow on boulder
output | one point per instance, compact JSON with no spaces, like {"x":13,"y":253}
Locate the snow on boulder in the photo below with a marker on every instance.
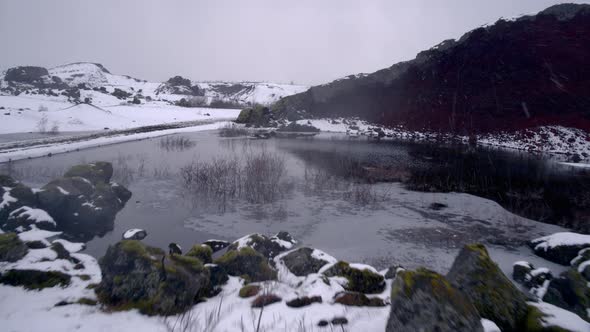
{"x":268,"y":247}
{"x":561,"y":247}
{"x":216,"y":245}
{"x":25,"y":216}
{"x":134,"y":234}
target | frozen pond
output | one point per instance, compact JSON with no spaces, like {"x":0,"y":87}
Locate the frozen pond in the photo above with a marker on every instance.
{"x":326,"y":199}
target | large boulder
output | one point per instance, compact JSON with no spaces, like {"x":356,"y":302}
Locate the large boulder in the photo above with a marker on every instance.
{"x":84,"y":203}
{"x":302,"y":261}
{"x":561,"y":247}
{"x":571,"y":292}
{"x":12,"y":248}
{"x":137,"y":276}
{"x":423,"y":300}
{"x":359,"y":280}
{"x":493,"y":294}
{"x":23,"y":218}
{"x":248,"y":264}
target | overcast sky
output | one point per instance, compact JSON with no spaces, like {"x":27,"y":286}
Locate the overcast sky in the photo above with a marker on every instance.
{"x":305,"y":41}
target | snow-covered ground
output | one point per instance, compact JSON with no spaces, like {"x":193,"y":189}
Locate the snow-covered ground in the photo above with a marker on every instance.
{"x":22,"y":114}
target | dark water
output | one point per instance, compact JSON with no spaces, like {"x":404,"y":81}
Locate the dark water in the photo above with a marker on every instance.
{"x":317,"y":170}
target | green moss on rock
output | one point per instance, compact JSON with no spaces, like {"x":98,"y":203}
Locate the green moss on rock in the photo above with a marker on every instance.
{"x":425,"y":300}
{"x":141,"y":277}
{"x":202,"y":252}
{"x":363,"y":281}
{"x":493,"y":294}
{"x":249,"y":291}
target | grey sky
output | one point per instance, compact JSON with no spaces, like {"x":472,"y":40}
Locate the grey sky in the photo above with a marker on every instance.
{"x":306,"y":41}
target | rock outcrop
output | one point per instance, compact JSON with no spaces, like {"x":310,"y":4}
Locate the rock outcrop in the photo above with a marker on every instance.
{"x":514,"y":74}
{"x":248,"y":264}
{"x":82,"y":204}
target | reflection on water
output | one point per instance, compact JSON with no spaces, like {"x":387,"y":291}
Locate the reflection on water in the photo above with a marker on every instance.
{"x":192,"y":187}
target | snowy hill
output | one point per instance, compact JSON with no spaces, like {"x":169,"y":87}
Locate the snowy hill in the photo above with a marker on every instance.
{"x":84,"y":77}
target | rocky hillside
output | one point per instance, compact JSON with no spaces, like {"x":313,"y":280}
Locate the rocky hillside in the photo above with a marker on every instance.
{"x":516,"y":74}
{"x":76,"y":80}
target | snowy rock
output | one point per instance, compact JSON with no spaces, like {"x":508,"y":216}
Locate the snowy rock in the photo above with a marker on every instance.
{"x":358,"y":280}
{"x":302,"y":262}
{"x":13,"y":196}
{"x":423,"y":300}
{"x":560,"y":248}
{"x":493,"y":294}
{"x":11,"y":248}
{"x":137,"y":276}
{"x":25,"y":216}
{"x":134,"y":234}
{"x":571,"y":292}
{"x":520,"y":270}
{"x":268,"y":247}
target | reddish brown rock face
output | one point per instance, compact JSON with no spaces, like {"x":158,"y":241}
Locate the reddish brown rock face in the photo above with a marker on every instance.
{"x":513,"y":75}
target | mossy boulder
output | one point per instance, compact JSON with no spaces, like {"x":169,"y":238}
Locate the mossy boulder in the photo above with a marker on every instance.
{"x":202,"y":252}
{"x":358,"y":300}
{"x":492,"y":293}
{"x":138,"y":276}
{"x":301,"y":262}
{"x":12,"y":248}
{"x":258,"y":116}
{"x":571,"y":292}
{"x":247,"y":263}
{"x":96,"y":172}
{"x":363,"y":281}
{"x":423,"y":300}
{"x":34,"y":279}
{"x":249,"y":291}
